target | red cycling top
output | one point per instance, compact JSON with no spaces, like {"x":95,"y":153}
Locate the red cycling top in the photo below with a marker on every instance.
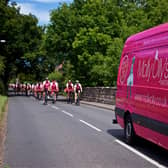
{"x":70,"y":85}
{"x":39,"y":87}
{"x":54,"y":87}
{"x":47,"y":84}
{"x":78,"y":87}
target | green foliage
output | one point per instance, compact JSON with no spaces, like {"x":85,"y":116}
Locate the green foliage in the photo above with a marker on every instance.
{"x":2,"y":65}
{"x":68,"y":72}
{"x":55,"y":76}
{"x":22,"y":36}
{"x":2,"y":87}
{"x":87,"y":35}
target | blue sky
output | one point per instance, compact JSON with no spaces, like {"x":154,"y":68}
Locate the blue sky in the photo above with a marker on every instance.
{"x":40,"y":8}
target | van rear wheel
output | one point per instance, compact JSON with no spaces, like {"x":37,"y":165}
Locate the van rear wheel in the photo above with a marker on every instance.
{"x":129,"y":130}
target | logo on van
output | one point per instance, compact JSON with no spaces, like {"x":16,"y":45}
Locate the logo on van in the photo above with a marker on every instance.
{"x":130,"y":79}
{"x":154,"y":68}
{"x":124,"y":69}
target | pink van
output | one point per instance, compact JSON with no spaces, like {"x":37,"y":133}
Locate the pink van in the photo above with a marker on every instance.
{"x":142,"y":86}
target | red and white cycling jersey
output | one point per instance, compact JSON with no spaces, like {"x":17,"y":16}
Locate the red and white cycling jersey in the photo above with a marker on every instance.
{"x":32,"y":87}
{"x":69,"y":85}
{"x":78,"y":87}
{"x":39,"y":87}
{"x":54,"y":86}
{"x":46,"y":84}
{"x":28,"y":86}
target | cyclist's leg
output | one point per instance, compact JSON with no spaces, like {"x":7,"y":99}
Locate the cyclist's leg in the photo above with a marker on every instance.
{"x":46,"y":96}
{"x":75,"y":97}
{"x":43,"y":97}
{"x":71,"y":97}
{"x":79,"y":97}
{"x":37,"y":94}
{"x":52,"y":95}
{"x":55,"y":96}
{"x":68,"y":96}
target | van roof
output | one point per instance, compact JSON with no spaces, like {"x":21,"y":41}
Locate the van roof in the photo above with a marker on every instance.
{"x":147,"y":38}
{"x":147,"y":33}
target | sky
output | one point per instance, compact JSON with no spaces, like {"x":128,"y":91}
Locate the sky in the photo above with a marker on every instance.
{"x":40,"y":8}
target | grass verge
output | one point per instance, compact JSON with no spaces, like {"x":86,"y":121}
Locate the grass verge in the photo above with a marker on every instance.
{"x":3,"y":101}
{"x":3,"y":121}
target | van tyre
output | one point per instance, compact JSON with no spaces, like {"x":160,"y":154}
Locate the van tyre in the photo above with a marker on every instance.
{"x":129,"y":131}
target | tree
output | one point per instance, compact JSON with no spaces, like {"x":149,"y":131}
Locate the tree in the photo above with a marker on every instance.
{"x":22,"y":36}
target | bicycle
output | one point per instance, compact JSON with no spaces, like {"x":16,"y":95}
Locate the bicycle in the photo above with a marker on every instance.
{"x":54,"y":97}
{"x":45,"y":96}
{"x":77,"y":98}
{"x":39,"y":95}
{"x":70,"y":97}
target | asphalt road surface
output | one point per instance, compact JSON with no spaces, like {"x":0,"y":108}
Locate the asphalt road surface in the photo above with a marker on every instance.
{"x":68,"y":136}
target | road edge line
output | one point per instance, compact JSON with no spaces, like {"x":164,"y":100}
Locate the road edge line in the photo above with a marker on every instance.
{"x":140,"y":154}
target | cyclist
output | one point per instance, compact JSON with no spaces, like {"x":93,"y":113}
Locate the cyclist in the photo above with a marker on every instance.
{"x":32,"y":88}
{"x":39,"y":89}
{"x":69,"y":90}
{"x":54,"y":90}
{"x":46,"y":86}
{"x":35,"y":90}
{"x":23,"y":88}
{"x":28,"y":89}
{"x":77,"y":90}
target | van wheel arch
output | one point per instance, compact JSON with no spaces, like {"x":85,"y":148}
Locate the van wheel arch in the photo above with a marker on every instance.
{"x":129,"y":132}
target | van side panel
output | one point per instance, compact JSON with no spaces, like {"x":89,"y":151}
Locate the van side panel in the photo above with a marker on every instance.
{"x":142,"y":86}
{"x":151,"y":94}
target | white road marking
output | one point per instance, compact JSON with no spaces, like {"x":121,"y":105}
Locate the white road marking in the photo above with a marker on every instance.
{"x":90,"y":125}
{"x":54,"y":107}
{"x":65,"y":112}
{"x":157,"y":164}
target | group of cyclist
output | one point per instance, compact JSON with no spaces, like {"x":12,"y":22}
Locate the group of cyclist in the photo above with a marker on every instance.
{"x":45,"y":89}
{"x":70,"y":89}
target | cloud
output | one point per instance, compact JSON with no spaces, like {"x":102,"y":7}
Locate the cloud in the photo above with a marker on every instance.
{"x":42,"y":15}
{"x":39,"y":9}
{"x":26,"y":8}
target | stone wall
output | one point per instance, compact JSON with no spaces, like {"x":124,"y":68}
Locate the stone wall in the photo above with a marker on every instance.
{"x":104,"y":95}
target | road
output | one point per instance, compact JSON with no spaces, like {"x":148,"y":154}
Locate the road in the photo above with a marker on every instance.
{"x":69,"y":136}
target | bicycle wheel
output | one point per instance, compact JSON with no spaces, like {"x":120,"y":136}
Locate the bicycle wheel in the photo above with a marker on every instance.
{"x":78,"y":100}
{"x":45,"y":98}
{"x":71,"y":97}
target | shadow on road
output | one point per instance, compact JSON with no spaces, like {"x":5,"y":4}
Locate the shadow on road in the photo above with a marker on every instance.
{"x":117,"y":133}
{"x":149,"y":149}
